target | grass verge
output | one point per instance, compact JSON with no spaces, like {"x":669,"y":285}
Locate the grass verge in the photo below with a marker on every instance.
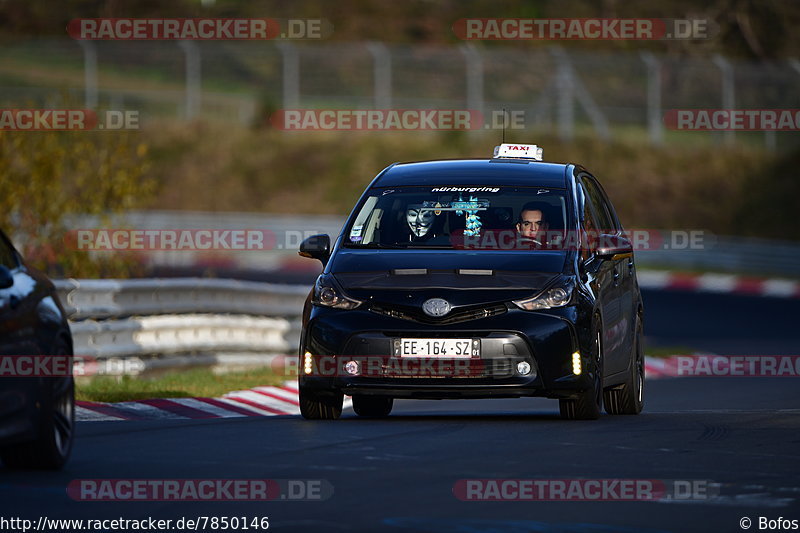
{"x":662,"y":352}
{"x":185,"y":384}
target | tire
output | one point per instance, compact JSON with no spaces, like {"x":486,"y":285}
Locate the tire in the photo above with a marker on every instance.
{"x":372,"y":406}
{"x":56,"y":427}
{"x":321,"y":405}
{"x":590,"y":403}
{"x":628,"y":398}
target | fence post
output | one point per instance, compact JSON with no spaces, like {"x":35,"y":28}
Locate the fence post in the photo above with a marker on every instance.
{"x":570,"y":89}
{"x":382,"y":75}
{"x":654,"y":122}
{"x":728,"y":95}
{"x":193,"y":89}
{"x":89,"y":73}
{"x":565,"y":96}
{"x":291,"y":75}
{"x":474,"y":63}
{"x":770,"y":138}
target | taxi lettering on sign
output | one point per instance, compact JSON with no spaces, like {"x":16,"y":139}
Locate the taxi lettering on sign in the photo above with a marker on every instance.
{"x":520,"y":151}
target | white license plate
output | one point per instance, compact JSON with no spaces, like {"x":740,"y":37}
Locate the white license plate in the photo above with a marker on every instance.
{"x":445,"y":348}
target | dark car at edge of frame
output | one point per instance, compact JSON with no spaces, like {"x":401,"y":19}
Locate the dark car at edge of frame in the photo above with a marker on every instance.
{"x":37,"y":390}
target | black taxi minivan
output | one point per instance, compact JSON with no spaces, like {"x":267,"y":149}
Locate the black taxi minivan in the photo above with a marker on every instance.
{"x":475,"y":278}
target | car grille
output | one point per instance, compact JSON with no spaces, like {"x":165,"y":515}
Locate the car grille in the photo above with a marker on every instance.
{"x":462,"y":315}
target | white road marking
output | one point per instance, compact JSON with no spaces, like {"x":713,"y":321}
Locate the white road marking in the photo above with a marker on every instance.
{"x":267,"y":401}
{"x":83,"y":414}
{"x":207,"y":407}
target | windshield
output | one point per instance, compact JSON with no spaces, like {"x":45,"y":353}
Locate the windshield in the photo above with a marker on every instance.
{"x":472,"y":217}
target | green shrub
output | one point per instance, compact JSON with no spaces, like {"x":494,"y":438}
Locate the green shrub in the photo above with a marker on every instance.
{"x":48,"y":178}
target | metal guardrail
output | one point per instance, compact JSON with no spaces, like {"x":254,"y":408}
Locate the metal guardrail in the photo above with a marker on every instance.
{"x":138,"y":325}
{"x":170,"y":334}
{"x":108,"y":298}
{"x":736,"y":255}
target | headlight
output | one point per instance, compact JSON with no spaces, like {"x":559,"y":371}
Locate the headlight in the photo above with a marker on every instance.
{"x":548,"y":299}
{"x":328,"y":294}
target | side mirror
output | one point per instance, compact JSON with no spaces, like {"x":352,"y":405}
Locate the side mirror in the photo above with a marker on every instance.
{"x":613,"y":247}
{"x":316,"y":247}
{"x":6,"y":277}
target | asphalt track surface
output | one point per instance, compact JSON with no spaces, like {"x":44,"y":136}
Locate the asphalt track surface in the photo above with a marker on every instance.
{"x":739,"y":436}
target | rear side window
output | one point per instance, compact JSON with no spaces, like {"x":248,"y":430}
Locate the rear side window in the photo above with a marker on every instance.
{"x":609,"y":206}
{"x":601,"y":209}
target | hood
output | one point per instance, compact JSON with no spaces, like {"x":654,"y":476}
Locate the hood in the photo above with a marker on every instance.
{"x":465,"y":278}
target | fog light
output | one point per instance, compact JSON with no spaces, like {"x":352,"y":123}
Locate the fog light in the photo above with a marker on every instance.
{"x":308,"y":362}
{"x":576,"y":363}
{"x":351,"y":367}
{"x":523,"y":368}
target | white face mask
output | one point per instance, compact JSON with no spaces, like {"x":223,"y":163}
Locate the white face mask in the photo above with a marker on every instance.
{"x":419,"y":221}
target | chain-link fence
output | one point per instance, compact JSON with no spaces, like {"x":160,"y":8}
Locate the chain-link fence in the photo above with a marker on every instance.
{"x":608,"y":94}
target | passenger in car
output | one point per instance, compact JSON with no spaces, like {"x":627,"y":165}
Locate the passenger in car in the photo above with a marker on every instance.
{"x":532,"y":223}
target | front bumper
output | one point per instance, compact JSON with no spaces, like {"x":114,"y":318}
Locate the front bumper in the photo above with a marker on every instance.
{"x":545,"y":340}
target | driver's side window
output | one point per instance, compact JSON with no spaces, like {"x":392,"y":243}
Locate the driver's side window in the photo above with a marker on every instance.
{"x":588,"y":225}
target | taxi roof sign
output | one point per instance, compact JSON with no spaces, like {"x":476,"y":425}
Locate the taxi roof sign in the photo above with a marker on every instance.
{"x":518,"y":151}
